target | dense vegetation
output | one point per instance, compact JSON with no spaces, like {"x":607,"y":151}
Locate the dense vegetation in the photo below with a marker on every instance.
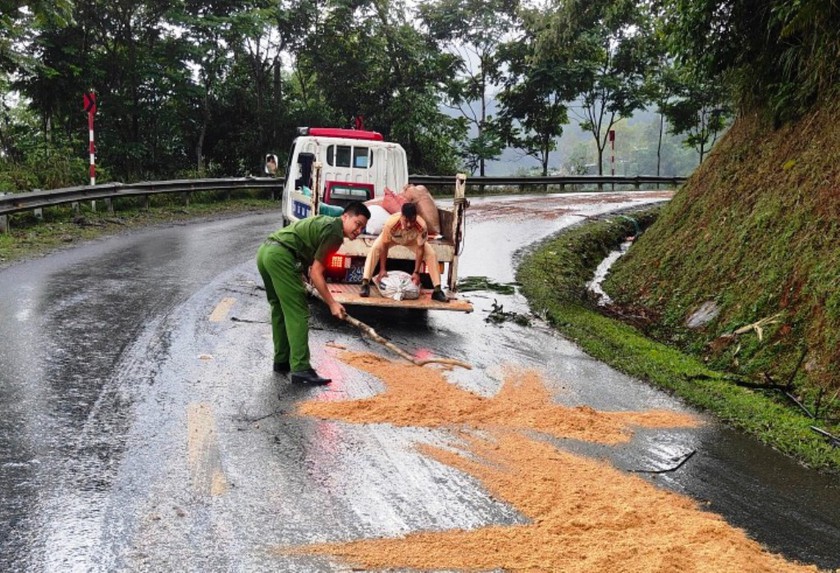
{"x":756,"y":233}
{"x":188,"y":88}
{"x":554,"y":278}
{"x":752,"y":237}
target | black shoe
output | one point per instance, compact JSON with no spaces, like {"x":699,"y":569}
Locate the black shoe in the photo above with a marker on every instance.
{"x":438,"y":295}
{"x":282,"y":367}
{"x":309,"y":377}
{"x":364,"y":291}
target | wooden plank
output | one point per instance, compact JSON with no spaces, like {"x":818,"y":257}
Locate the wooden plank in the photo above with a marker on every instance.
{"x":348,"y":294}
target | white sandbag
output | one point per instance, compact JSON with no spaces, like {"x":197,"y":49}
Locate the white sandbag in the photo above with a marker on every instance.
{"x":398,"y":286}
{"x":378,"y":216}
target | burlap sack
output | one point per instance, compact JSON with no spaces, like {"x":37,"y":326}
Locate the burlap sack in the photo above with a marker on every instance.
{"x":426,"y":208}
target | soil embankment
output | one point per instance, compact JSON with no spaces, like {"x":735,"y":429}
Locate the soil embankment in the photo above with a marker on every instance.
{"x":754,"y":235}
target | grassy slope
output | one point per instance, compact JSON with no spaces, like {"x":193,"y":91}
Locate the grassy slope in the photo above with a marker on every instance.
{"x":554,"y":276}
{"x":757,"y":230}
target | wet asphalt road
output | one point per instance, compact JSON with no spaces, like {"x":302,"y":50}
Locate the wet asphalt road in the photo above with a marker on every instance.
{"x":141,"y":429}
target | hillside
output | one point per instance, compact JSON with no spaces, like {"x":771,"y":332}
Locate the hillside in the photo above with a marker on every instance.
{"x":755,"y":235}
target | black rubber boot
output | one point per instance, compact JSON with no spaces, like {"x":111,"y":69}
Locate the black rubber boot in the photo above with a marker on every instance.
{"x":309,"y":377}
{"x":282,"y":367}
{"x":438,"y":295}
{"x":364,"y":291}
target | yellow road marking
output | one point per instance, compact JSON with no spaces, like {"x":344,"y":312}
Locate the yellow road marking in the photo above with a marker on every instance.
{"x":222,"y":309}
{"x":203,"y":451}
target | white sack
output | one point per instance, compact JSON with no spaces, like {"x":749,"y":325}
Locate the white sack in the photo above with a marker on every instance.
{"x":398,"y":286}
{"x":378,"y":216}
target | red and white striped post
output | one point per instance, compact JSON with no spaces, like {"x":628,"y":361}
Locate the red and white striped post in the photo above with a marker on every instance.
{"x":612,"y":155}
{"x":90,"y":108}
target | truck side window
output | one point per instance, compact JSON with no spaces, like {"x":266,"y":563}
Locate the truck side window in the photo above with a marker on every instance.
{"x":304,"y":178}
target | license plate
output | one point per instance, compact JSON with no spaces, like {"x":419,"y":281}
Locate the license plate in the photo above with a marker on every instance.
{"x":355,"y":273}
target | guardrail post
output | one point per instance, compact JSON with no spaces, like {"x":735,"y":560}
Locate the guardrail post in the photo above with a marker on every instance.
{"x":38,"y":212}
{"x":4,"y":221}
{"x":109,"y":203}
{"x":187,"y":199}
{"x":145,"y":202}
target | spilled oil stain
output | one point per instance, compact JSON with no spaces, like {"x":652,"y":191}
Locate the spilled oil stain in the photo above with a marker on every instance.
{"x":584,"y":514}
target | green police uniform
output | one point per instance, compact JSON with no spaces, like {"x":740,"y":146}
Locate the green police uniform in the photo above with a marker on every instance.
{"x":281,"y":259}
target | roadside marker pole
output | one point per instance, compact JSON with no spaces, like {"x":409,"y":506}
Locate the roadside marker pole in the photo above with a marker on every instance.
{"x":92,"y":149}
{"x":90,"y":108}
{"x":612,"y":155}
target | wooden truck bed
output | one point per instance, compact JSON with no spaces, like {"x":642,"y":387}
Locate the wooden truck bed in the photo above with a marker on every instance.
{"x":348,"y":294}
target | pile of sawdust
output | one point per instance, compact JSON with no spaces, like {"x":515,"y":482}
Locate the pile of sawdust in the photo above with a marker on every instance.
{"x":584,"y":514}
{"x":417,"y":396}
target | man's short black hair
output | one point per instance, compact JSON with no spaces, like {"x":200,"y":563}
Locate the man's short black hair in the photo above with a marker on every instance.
{"x":409,"y":211}
{"x":357,"y":208}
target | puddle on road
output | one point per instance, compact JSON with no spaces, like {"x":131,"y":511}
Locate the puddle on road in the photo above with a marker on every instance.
{"x":585,"y":515}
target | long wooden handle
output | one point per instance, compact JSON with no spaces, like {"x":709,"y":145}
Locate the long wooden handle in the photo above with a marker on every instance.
{"x":393,"y":348}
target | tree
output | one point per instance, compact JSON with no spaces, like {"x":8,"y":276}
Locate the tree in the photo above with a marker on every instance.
{"x":778,"y":55}
{"x":372,"y":62}
{"x":699,"y":108}
{"x":535,"y":95}
{"x":604,"y":48}
{"x":473,"y":31}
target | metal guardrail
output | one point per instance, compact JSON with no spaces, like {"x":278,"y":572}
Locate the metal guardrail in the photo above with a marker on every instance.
{"x":16,"y":202}
{"x":561,"y":180}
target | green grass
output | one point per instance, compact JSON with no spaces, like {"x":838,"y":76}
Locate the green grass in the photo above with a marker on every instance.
{"x":553,"y":278}
{"x":60,"y":227}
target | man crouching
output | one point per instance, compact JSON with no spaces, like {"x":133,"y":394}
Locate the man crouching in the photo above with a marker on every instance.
{"x":405,"y":228}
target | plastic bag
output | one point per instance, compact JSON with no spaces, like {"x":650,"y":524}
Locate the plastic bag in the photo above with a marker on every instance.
{"x":378,"y":217}
{"x":398,"y":286}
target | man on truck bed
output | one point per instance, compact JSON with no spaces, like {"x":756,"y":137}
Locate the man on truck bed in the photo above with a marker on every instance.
{"x":407,"y":229}
{"x":281,"y":259}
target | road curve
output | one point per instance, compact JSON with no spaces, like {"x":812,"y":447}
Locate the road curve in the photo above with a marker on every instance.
{"x":142,"y":429}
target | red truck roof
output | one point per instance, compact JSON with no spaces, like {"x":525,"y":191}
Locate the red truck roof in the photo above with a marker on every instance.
{"x":346,"y":133}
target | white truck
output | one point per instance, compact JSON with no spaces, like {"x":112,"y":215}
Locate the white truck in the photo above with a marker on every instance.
{"x":330,"y":167}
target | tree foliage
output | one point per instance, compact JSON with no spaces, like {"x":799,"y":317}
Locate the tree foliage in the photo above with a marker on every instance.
{"x":473,"y":32}
{"x":778,"y":55}
{"x":189,"y":87}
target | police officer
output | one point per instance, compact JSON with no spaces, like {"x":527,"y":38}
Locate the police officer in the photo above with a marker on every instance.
{"x":280,"y":260}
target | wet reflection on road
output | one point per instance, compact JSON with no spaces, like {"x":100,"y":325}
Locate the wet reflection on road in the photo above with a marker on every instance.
{"x":141,"y":426}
